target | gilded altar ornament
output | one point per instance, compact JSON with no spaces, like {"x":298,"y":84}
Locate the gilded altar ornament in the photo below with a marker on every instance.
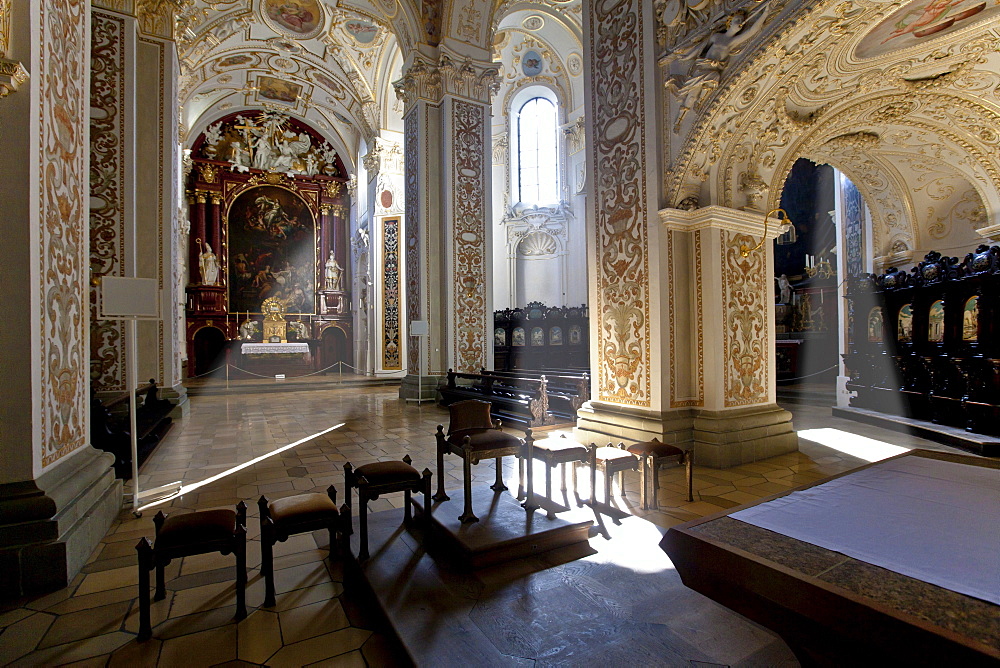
{"x":746,"y":250}
{"x":12,"y":75}
{"x":275,"y":328}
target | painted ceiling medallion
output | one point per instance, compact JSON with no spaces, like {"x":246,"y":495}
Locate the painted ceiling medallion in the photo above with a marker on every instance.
{"x":534,"y":22}
{"x":363,"y":32}
{"x":298,"y":19}
{"x":532,"y":64}
{"x":921,"y":21}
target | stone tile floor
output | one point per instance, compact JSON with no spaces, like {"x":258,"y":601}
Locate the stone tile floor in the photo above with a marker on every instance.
{"x":93,"y":622}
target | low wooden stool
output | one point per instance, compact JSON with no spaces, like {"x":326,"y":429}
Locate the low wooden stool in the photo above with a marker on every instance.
{"x":552,"y":451}
{"x":200,"y":532}
{"x":291,"y":515}
{"x":379,"y":478}
{"x":653,"y":453}
{"x":613,"y":460}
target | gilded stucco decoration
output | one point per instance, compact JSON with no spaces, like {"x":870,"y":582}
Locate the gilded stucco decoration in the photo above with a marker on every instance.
{"x":62,"y":114}
{"x":391,"y":339}
{"x":429,"y":80}
{"x":618,"y":92}
{"x":469,"y":235}
{"x":745,"y":287}
{"x":107,"y":189}
{"x":801,"y":91}
{"x":680,"y":396}
{"x":12,"y":73}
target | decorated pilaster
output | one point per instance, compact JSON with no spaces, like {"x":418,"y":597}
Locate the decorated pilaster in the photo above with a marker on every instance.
{"x":447,"y":190}
{"x":384,"y":165}
{"x":58,"y":495}
{"x":721,"y":325}
{"x":670,"y":290}
{"x":628,"y":279}
{"x":158,"y":237}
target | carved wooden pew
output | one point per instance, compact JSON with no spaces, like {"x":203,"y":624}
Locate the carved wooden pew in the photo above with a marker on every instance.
{"x":566,"y":391}
{"x":109,"y":432}
{"x":519,"y":401}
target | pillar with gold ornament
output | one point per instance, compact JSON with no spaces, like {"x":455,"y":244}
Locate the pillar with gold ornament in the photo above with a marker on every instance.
{"x":446,"y":212}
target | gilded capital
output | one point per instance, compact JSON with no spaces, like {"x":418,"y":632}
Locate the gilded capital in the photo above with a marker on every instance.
{"x":325,"y":208}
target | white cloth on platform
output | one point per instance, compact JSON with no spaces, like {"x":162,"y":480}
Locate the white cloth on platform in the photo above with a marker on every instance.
{"x":932,"y":520}
{"x":274,"y":348}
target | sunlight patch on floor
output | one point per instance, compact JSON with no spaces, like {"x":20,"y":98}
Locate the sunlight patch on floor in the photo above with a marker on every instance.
{"x":862,"y":447}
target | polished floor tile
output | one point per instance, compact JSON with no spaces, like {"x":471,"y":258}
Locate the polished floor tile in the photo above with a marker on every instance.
{"x":93,"y":622}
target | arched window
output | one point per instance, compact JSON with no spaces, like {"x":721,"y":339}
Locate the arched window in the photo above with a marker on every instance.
{"x":537,"y":153}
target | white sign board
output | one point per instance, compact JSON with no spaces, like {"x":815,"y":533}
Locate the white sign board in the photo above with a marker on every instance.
{"x":129,"y":298}
{"x":419,"y":328}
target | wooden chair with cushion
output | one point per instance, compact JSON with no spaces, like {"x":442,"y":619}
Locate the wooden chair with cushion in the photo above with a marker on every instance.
{"x":373,"y":480}
{"x":653,"y":454}
{"x":200,"y":532}
{"x":292,"y":515}
{"x":473,"y":436}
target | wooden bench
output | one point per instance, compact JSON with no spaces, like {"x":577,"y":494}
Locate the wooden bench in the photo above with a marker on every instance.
{"x":566,"y":391}
{"x":518,"y":401}
{"x":110,"y":432}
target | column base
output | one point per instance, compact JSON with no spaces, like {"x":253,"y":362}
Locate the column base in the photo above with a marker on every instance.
{"x":729,"y":438}
{"x":599,"y":422}
{"x":50,"y":526}
{"x":843,"y":394}
{"x":721,"y":439}
{"x":178,"y":396}
{"x":419,"y":388}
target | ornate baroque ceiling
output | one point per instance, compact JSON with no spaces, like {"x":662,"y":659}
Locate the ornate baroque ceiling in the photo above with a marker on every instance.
{"x":913,"y":119}
{"x":329,"y":62}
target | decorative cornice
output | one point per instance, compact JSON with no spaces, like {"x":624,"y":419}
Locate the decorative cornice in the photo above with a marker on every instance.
{"x":12,"y":75}
{"x":426,"y":80}
{"x":721,"y":218}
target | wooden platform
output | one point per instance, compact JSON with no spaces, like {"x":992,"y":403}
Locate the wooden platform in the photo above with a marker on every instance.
{"x":504,"y":531}
{"x":613,"y":600}
{"x":980,"y":444}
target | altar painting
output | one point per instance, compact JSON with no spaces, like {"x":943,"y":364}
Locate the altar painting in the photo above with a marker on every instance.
{"x":272,"y":251}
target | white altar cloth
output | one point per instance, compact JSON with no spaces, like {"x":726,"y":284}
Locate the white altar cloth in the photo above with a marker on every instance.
{"x":274,"y":348}
{"x":929,"y":519}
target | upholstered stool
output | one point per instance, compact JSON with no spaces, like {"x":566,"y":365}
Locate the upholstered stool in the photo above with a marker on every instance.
{"x":552,"y":452}
{"x":379,"y":478}
{"x":474,"y":436}
{"x":653,"y":453}
{"x":285,"y":517}
{"x":612,"y":460}
{"x":178,"y":536}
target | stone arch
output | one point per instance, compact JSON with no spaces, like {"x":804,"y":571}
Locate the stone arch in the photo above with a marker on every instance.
{"x":884,"y":122}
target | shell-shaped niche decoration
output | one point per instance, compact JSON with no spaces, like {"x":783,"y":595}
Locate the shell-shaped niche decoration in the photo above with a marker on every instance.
{"x":536,"y":243}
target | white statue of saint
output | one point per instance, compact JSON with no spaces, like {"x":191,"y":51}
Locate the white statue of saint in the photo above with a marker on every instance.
{"x":334,"y":273}
{"x":785,"y":290}
{"x":208,"y":264}
{"x":241,"y":157}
